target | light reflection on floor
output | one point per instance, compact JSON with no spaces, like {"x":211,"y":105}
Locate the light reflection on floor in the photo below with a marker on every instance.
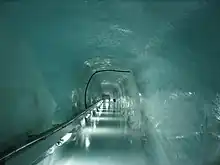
{"x":107,"y":118}
{"x":106,"y":140}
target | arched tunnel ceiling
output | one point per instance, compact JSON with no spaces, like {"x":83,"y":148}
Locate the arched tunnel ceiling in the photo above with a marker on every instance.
{"x":172,"y":48}
{"x":61,"y":35}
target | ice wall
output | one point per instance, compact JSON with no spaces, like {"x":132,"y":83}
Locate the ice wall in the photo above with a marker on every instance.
{"x":181,"y":87}
{"x":27,"y":106}
{"x":171,"y":47}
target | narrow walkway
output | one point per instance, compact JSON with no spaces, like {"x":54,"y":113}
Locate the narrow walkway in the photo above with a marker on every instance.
{"x":104,"y":140}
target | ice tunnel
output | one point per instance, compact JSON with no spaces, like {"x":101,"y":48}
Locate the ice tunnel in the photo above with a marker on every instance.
{"x":114,"y":82}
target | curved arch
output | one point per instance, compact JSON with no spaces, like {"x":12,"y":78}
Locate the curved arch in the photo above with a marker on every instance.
{"x":99,"y":71}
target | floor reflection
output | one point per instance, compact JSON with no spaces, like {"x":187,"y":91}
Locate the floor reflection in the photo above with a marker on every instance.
{"x":103,"y":138}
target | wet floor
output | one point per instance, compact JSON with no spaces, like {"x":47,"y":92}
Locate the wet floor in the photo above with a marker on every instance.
{"x":105,"y":139}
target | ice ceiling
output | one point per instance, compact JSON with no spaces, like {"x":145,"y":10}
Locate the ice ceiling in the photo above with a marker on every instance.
{"x":171,"y":47}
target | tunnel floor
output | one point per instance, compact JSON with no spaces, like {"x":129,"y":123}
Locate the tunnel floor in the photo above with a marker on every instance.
{"x":105,"y":139}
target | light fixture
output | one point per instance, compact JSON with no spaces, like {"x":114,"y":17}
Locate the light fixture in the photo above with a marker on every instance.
{"x":64,"y":139}
{"x":87,"y":142}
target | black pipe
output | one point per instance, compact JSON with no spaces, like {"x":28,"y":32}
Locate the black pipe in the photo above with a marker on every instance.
{"x":98,"y":71}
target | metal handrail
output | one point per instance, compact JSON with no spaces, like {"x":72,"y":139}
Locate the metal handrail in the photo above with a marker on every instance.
{"x":46,"y":134}
{"x":98,"y":71}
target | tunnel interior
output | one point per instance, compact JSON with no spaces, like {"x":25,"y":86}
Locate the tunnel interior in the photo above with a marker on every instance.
{"x":50,"y":49}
